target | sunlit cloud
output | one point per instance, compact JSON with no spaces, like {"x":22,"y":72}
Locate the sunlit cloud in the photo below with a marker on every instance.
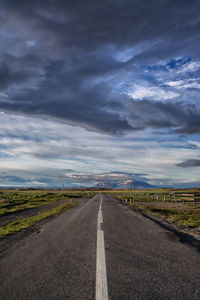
{"x":185,"y":84}
{"x":151,"y":92}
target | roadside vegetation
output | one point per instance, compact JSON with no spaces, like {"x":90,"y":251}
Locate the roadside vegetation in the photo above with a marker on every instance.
{"x":26,"y":222}
{"x":182,"y":215}
{"x":155,"y":195}
{"x":12,"y":201}
{"x":21,"y":208}
{"x":179,"y":206}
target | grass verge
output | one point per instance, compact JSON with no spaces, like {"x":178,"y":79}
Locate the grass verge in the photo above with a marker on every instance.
{"x":12,"y":201}
{"x":187,"y":218}
{"x":27,"y":222}
{"x":151,"y":195}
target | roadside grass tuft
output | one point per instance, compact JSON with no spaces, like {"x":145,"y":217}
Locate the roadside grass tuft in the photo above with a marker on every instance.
{"x":186,"y":219}
{"x":182,"y":217}
{"x":27,"y":222}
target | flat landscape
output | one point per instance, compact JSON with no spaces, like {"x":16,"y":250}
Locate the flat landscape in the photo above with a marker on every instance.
{"x":22,"y":208}
{"x":49,"y":241}
{"x":178,"y":206}
{"x":99,"y":150}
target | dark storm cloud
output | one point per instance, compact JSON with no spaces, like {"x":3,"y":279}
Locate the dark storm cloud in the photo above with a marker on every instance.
{"x":90,"y":23}
{"x":178,"y":117}
{"x":189,"y":163}
{"x":18,"y":71}
{"x":8,"y":77}
{"x":59,"y":60}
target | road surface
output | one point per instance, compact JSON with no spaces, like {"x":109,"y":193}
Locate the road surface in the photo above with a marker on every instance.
{"x":100,"y":250}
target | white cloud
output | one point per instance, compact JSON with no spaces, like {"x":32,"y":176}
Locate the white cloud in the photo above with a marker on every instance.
{"x":3,"y":95}
{"x":191,"y":67}
{"x":194,"y":143}
{"x":125,"y":54}
{"x":48,"y":149}
{"x":184,"y":84}
{"x":38,"y":183}
{"x":30,"y":43}
{"x":151,"y":92}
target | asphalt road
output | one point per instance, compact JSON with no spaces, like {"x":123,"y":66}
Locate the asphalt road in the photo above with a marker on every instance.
{"x":143,"y":260}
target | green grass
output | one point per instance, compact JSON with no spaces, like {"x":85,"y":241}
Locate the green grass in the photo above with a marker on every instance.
{"x":149,"y":195}
{"x":186,"y":215}
{"x":188,"y":218}
{"x":15,"y":200}
{"x":27,"y":222}
{"x":139,"y":195}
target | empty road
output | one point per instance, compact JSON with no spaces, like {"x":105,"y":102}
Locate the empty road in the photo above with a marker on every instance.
{"x":100,"y":250}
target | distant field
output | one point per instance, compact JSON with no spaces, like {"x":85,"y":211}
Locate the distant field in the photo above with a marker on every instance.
{"x":151,"y":195}
{"x":20,"y":209}
{"x":179,"y":206}
{"x":16,"y":200}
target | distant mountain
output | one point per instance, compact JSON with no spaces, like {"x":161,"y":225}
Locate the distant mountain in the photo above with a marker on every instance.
{"x":125,"y":185}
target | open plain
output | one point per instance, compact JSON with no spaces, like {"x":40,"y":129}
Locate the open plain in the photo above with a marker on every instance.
{"x":59,"y":260}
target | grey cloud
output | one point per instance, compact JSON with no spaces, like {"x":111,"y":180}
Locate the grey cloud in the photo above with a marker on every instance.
{"x":93,"y":112}
{"x":29,"y":178}
{"x":189,"y":163}
{"x":88,"y":24}
{"x":63,"y":96}
{"x":47,"y":150}
{"x":192,"y":146}
{"x":11,"y":179}
{"x":57,"y":152}
{"x":177,"y":117}
{"x":8,"y":77}
{"x":18,"y":71}
{"x":114,"y":177}
{"x":69,"y":72}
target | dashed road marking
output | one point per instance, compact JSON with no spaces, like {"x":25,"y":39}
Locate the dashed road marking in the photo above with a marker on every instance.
{"x":101,"y":277}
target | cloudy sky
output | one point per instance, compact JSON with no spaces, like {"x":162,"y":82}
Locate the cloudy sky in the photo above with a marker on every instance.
{"x":99,"y":90}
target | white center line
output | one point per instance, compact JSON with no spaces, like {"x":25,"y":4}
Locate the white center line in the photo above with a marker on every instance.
{"x":101,"y":277}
